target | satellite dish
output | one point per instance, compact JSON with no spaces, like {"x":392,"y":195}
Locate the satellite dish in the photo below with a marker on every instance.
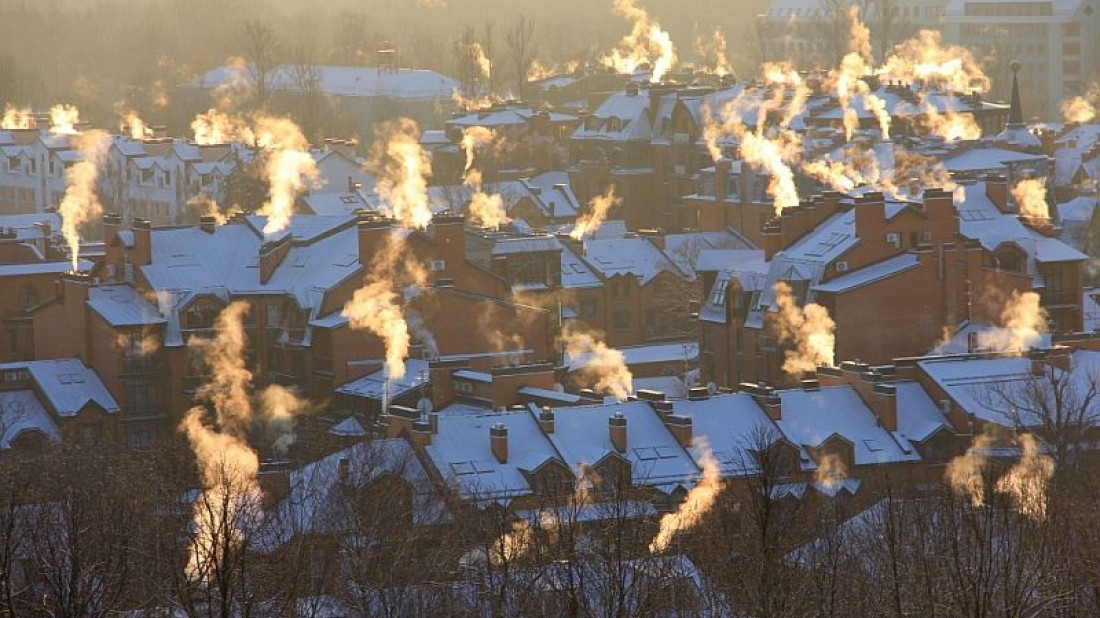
{"x":558,"y":387}
{"x":712,"y":388}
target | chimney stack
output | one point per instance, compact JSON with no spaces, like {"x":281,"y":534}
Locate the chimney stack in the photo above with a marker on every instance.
{"x":498,"y":441}
{"x":681,"y":428}
{"x":616,"y":427}
{"x":208,"y":223}
{"x":546,"y":420}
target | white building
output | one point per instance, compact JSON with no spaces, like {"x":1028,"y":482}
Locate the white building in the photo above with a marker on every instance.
{"x":1056,"y":41}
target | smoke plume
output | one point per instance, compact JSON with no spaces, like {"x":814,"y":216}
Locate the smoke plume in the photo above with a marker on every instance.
{"x":132,"y":124}
{"x":402,"y":168}
{"x":63,"y":119}
{"x":966,"y":473}
{"x":831,"y":471}
{"x":17,"y":118}
{"x":1026,"y":482}
{"x":1079,"y":110}
{"x":80,"y":203}
{"x":809,"y":329}
{"x":377,"y":306}
{"x":1031,"y":198}
{"x":697,"y":503}
{"x":602,"y":368}
{"x":646,"y":43}
{"x":713,"y":50}
{"x":1023,"y":323}
{"x":289,"y":168}
{"x":598,"y":209}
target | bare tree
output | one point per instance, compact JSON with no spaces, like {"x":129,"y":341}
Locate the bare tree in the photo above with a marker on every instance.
{"x":519,"y":40}
{"x":1058,"y":403}
{"x":306,"y":76}
{"x":261,"y":49}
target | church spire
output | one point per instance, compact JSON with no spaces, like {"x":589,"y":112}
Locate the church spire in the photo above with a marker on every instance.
{"x":1016,"y":112}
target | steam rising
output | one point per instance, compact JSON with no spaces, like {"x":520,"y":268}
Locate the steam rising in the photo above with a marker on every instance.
{"x":598,"y":208}
{"x":809,"y":329}
{"x":80,"y":203}
{"x":1024,"y":321}
{"x":289,"y":169}
{"x":847,"y":79}
{"x":1078,"y":109}
{"x":713,"y":48}
{"x":377,"y":306}
{"x":63,"y":119}
{"x":603,"y":368}
{"x":697,"y":503}
{"x":17,"y":118}
{"x":831,"y":471}
{"x":133,"y":125}
{"x":402,"y":168}
{"x":1031,"y":198}
{"x":966,"y":473}
{"x":646,"y":43}
{"x":488,"y":209}
{"x":1026,"y":482}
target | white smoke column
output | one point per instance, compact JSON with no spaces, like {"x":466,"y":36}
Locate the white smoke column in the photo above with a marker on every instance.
{"x":949,"y":125}
{"x":17,"y":118}
{"x":484,"y":65}
{"x":602,"y":367}
{"x":486,"y":208}
{"x":713,"y":49}
{"x":1031,"y":198}
{"x":377,"y":306}
{"x":698,"y":502}
{"x":289,"y":168}
{"x":133,"y":125}
{"x":63,"y":119}
{"x":647,"y":42}
{"x":279,"y":408}
{"x":1079,"y":110}
{"x":215,"y":127}
{"x":1026,"y":482}
{"x":80,"y":203}
{"x":809,"y":329}
{"x":474,"y":138}
{"x":847,"y":79}
{"x":402,"y":168}
{"x":598,"y":209}
{"x":831,"y":471}
{"x":227,"y":464}
{"x":774,"y":151}
{"x":1023,"y":323}
{"x":966,"y":473}
{"x":924,"y":59}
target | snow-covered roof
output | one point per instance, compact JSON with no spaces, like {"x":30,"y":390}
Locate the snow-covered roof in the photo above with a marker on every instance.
{"x":121,"y":305}
{"x":68,"y":385}
{"x":21,"y":412}
{"x":374,"y":385}
{"x":575,"y":272}
{"x":623,"y":116}
{"x":918,"y":416}
{"x":461,"y":452}
{"x":870,"y":274}
{"x":987,"y":159}
{"x":318,"y":501}
{"x":674,"y":352}
{"x":628,"y":256}
{"x":730,"y":424}
{"x":41,"y":268}
{"x":811,"y":417}
{"x":686,"y":249}
{"x":714,"y":260}
{"x":581,"y":436}
{"x":509,"y":115}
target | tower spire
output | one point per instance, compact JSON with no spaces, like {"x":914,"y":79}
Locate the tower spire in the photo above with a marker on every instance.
{"x":1016,"y":112}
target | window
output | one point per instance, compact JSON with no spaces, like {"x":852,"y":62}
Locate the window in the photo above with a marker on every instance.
{"x":438,"y":265}
{"x":1009,"y":259}
{"x":28,"y":297}
{"x":142,"y":398}
{"x":274,"y":315}
{"x":15,"y":164}
{"x":842,"y":266}
{"x":894,"y":239}
{"x":621,"y":320}
{"x":1053,"y":280}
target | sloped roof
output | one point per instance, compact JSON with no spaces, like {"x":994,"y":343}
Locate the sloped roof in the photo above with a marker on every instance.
{"x":68,"y":385}
{"x":121,"y":305}
{"x":20,"y":412}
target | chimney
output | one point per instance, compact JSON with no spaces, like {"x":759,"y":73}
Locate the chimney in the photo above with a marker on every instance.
{"x":546,"y":420}
{"x":681,"y":428}
{"x":112,"y":223}
{"x":422,"y":431}
{"x":498,"y":442}
{"x":939,"y":204}
{"x":871,"y":217}
{"x":274,"y":481}
{"x":698,"y":393}
{"x":143,"y":242}
{"x":996,"y":189}
{"x":449,"y":231}
{"x":272,"y":254}
{"x":208,"y":223}
{"x":399,"y":421}
{"x":766,"y":398}
{"x":771,"y":240}
{"x":373,"y":233}
{"x":616,"y":429}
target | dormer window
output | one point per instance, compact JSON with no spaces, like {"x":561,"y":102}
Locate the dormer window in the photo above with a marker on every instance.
{"x":1009,"y":259}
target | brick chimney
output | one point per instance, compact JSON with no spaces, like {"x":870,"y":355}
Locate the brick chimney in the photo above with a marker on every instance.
{"x":272,"y":255}
{"x":996,"y":189}
{"x":546,"y":420}
{"x":498,"y":442}
{"x":74,"y":291}
{"x":208,"y":223}
{"x":374,"y":231}
{"x":143,"y":242}
{"x":766,"y":398}
{"x":274,"y":481}
{"x":616,"y":429}
{"x":871,"y":218}
{"x":681,"y":428}
{"x":940,"y":205}
{"x":449,"y":230}
{"x":421,"y":434}
{"x":399,"y":421}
